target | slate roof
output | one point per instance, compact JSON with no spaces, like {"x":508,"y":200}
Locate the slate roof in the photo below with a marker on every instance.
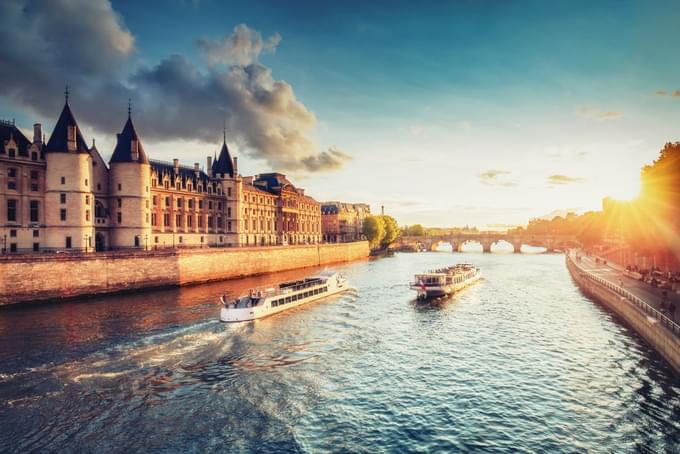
{"x":57,"y":142}
{"x":223,"y":165}
{"x":184,"y":174}
{"x":273,"y":182}
{"x":123,"y":150}
{"x":9,"y":130}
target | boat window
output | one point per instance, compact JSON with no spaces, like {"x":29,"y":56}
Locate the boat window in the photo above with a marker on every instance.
{"x":288,"y":299}
{"x":275,"y":303}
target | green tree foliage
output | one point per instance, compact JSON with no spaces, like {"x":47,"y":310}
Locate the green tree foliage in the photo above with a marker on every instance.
{"x":391,"y":231}
{"x":374,"y":230}
{"x":413,"y":230}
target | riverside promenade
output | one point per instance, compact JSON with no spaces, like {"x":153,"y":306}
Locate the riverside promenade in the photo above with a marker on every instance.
{"x":637,"y":303}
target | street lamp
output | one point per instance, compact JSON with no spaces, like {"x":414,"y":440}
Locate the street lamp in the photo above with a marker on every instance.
{"x":146,"y":242}
{"x":87,"y":237}
{"x":4,"y":244}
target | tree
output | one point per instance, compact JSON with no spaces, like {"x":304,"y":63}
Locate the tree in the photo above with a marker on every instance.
{"x":374,"y":230}
{"x":391,"y":231}
{"x":414,"y":230}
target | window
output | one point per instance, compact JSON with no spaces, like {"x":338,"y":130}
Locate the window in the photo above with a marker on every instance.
{"x":120,"y":203}
{"x":62,"y":214}
{"x":219,"y":206}
{"x":180,"y":239}
{"x":200,"y":221}
{"x":200,"y":204}
{"x":13,"y":233}
{"x":35,"y":211}
{"x":12,"y":211}
{"x":87,"y":215}
{"x":99,"y":186}
{"x":68,"y":242}
{"x":191,"y":203}
{"x":34,"y":174}
{"x":63,"y":180}
{"x":11,"y":185}
{"x":120,"y":188}
{"x":36,"y":233}
{"x":12,"y":246}
{"x":155,"y":239}
{"x":12,"y":172}
{"x":120,"y":217}
{"x":166,"y":219}
{"x":36,"y":247}
{"x":34,"y":156}
{"x":189,"y":221}
{"x":153,"y":219}
{"x":179,"y":203}
{"x":155,"y":200}
{"x":229,"y":226}
{"x":87,"y":200}
{"x":167,"y":202}
{"x":178,"y":220}
{"x":34,"y":186}
{"x":228,"y":192}
{"x":147,"y":203}
{"x":147,"y":216}
{"x":86,"y":181}
{"x":62,"y":198}
{"x":228,"y":212}
{"x":210,"y":205}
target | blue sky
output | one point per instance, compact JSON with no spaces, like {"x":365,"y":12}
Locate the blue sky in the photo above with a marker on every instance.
{"x":452,"y":113}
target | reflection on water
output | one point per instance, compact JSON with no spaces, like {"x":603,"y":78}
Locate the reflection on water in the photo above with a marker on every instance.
{"x":519,"y":360}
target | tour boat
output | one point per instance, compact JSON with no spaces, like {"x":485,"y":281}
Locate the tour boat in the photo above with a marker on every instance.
{"x":445,"y":281}
{"x":265,"y":302}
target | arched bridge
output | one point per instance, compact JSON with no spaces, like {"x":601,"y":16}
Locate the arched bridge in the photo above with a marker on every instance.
{"x":487,"y":239}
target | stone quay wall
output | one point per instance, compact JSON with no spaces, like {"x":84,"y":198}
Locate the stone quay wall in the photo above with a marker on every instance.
{"x":62,"y":276}
{"x":660,"y":337}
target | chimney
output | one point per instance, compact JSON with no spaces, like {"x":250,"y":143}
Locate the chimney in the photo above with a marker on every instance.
{"x":197,"y":169}
{"x":175,"y":164}
{"x":210,"y":166}
{"x":134,"y":148}
{"x":235,"y":166}
{"x":71,"y":138}
{"x":37,"y":133}
{"x":382,"y":210}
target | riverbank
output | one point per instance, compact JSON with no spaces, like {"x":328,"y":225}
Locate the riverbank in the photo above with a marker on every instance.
{"x":655,"y":328}
{"x":64,"y":276}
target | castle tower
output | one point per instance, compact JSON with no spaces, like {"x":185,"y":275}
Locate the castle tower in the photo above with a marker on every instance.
{"x":224,"y":169}
{"x":129,"y":191}
{"x":69,"y":201}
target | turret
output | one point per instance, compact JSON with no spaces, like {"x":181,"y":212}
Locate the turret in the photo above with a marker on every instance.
{"x":69,"y":201}
{"x":129,"y":182}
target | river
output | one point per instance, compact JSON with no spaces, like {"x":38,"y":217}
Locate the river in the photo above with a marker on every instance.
{"x":520,"y":361}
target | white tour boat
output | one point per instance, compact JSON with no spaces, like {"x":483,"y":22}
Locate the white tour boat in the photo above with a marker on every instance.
{"x":445,"y":281}
{"x":264,"y":302}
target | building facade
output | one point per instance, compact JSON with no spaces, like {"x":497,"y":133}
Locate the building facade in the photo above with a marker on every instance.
{"x":343,"y":222}
{"x":62,"y":195}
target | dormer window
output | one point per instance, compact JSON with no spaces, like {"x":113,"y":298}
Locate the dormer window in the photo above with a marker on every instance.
{"x":12,"y":152}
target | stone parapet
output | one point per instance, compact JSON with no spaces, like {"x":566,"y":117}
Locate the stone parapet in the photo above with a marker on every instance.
{"x":63,"y":276}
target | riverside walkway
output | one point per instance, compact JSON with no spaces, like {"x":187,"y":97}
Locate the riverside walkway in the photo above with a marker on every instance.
{"x":650,"y":295}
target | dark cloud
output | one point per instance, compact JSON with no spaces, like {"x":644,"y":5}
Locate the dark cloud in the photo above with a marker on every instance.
{"x":86,"y":44}
{"x":497,"y":178}
{"x":243,"y":47}
{"x":564,"y":179}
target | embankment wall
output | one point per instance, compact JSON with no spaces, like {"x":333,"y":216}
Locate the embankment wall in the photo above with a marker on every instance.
{"x":654,"y":333}
{"x":48,"y":277}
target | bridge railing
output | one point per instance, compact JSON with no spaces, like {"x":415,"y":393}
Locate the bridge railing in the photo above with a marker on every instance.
{"x":646,"y":308}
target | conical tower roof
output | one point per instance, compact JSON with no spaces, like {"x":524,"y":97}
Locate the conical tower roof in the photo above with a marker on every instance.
{"x":223,"y":164}
{"x":59,"y":139}
{"x":123,"y":150}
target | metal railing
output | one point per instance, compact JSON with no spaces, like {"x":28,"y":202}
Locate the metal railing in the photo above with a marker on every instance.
{"x":646,"y":308}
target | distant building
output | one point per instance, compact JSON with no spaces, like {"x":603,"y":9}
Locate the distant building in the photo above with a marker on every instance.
{"x":63,"y":196}
{"x":342,"y":222}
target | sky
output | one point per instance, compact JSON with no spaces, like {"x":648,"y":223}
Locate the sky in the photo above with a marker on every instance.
{"x":480,"y":113}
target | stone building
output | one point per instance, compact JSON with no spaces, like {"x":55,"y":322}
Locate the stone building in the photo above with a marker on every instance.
{"x":342,"y":222}
{"x":63,"y":196}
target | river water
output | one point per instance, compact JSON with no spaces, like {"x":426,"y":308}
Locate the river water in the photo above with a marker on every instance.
{"x":520,"y":361}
